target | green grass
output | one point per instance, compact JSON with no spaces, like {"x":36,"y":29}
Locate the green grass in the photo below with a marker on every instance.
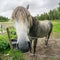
{"x":56,"y":26}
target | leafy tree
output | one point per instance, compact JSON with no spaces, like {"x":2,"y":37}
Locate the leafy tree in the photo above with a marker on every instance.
{"x":46,"y":16}
{"x":51,"y":15}
{"x":3,"y":19}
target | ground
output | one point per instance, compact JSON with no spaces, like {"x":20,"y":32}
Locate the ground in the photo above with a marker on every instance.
{"x":52,"y":52}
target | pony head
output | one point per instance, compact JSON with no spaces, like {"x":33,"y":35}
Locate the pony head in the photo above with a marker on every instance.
{"x":22,"y":23}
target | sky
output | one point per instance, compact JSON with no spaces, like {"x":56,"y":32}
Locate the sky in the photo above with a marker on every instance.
{"x":35,"y":6}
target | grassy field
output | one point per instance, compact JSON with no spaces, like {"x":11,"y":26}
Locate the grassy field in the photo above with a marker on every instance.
{"x":56,"y":26}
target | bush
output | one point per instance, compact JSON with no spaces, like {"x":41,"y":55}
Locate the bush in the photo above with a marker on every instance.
{"x":12,"y":32}
{"x":3,"y":43}
{"x":4,"y":46}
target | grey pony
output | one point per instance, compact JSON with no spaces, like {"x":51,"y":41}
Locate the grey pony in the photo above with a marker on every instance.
{"x":34,"y":29}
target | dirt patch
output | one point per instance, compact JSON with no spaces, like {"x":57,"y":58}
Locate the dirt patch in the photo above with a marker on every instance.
{"x":52,"y":52}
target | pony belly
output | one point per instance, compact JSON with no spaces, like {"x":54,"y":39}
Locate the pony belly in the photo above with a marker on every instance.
{"x":42,"y":34}
{"x":37,"y":36}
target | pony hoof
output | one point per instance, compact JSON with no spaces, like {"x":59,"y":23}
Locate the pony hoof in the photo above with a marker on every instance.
{"x":30,"y":51}
{"x":31,"y":54}
{"x":46,"y":46}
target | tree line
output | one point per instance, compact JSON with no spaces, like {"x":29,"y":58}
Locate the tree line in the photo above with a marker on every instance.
{"x":3,"y":19}
{"x":51,"y":15}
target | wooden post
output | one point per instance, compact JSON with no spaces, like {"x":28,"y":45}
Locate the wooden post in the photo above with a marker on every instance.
{"x":1,"y":28}
{"x":9,"y":40}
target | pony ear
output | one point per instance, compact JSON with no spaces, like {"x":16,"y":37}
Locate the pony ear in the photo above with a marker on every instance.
{"x":27,"y":6}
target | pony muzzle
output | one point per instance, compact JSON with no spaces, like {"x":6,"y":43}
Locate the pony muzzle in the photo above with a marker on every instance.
{"x":24,"y":48}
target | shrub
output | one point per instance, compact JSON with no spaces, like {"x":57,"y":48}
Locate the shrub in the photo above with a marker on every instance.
{"x":3,"y":43}
{"x":12,"y":32}
{"x":4,"y":46}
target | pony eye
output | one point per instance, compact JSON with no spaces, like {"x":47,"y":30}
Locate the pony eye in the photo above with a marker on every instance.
{"x":28,"y":15}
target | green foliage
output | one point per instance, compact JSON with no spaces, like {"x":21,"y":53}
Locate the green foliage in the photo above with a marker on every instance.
{"x":4,"y":46}
{"x":51,"y":15}
{"x":3,"y":43}
{"x":3,"y":19}
{"x":16,"y":55}
{"x":12,"y":32}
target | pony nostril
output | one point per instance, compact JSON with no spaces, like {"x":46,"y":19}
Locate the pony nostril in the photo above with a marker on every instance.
{"x":29,"y":44}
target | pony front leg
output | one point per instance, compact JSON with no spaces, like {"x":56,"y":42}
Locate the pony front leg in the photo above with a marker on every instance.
{"x":31,"y":46}
{"x":46,"y":42}
{"x":34,"y":46}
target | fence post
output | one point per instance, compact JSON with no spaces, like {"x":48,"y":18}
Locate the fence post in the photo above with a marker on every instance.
{"x":9,"y":40}
{"x":1,"y":28}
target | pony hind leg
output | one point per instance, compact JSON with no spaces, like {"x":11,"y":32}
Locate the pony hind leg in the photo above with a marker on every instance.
{"x":48,"y":36}
{"x":46,"y":41}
